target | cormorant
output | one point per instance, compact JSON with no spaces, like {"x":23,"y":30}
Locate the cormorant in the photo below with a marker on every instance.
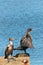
{"x":26,"y":41}
{"x":9,"y":48}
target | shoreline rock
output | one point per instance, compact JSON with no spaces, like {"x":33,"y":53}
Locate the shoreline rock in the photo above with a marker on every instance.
{"x":22,"y":59}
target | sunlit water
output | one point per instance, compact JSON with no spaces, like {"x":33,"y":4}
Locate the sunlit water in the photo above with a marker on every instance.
{"x":15,"y":17}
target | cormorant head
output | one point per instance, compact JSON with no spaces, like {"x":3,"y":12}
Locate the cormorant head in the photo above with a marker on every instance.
{"x":29,"y":29}
{"x":11,"y":39}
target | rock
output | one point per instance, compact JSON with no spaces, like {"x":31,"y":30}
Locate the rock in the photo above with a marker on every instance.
{"x":19,"y":60}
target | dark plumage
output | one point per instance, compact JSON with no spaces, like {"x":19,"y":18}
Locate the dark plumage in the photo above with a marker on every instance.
{"x":9,"y":48}
{"x":26,"y":41}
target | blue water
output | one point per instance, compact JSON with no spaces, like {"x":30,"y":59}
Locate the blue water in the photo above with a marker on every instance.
{"x":15,"y":17}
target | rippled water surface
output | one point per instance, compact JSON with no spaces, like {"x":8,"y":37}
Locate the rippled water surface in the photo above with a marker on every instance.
{"x":15,"y":17}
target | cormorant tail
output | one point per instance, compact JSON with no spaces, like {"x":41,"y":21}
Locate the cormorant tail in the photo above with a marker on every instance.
{"x":18,"y":48}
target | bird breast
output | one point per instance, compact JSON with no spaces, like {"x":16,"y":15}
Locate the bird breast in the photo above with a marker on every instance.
{"x":9,"y":50}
